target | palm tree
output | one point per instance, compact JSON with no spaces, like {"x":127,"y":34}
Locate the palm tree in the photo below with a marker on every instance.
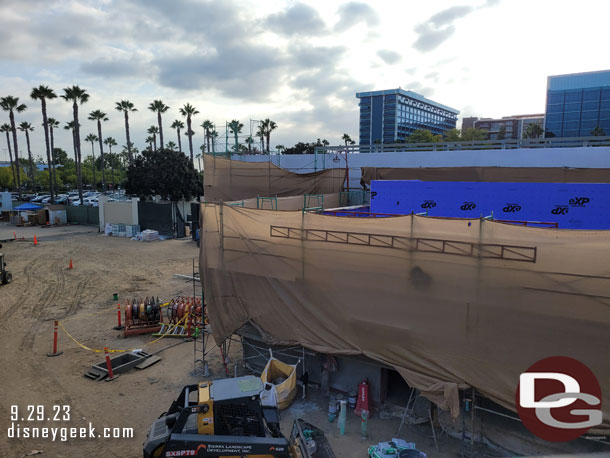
{"x":189,"y":111}
{"x":110,"y":142}
{"x":249,"y":141}
{"x":43,"y":93}
{"x":153,"y":130}
{"x":280,"y":148}
{"x":269,"y":126}
{"x":177,"y":124}
{"x":77,"y":96}
{"x":159,"y":107}
{"x":11,"y":104}
{"x":126,"y":106}
{"x":70,"y":126}
{"x":208,"y":126}
{"x":53,"y":124}
{"x":213,"y":136}
{"x":6,"y":128}
{"x":235,"y":127}
{"x":347,"y":139}
{"x":150,"y":141}
{"x":260,"y":133}
{"x":171,"y":146}
{"x":99,"y":116}
{"x":27,"y":128}
{"x":92,"y":138}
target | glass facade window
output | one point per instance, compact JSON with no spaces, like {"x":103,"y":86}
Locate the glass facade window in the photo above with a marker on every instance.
{"x":392,"y":115}
{"x":576,"y":104}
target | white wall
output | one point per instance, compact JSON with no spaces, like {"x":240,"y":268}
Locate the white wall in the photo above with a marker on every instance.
{"x":581,"y":157}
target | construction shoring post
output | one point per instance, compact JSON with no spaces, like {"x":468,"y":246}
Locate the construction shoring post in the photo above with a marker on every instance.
{"x":111,"y":375}
{"x":55,"y":352}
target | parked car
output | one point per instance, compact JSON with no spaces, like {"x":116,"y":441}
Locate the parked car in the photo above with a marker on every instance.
{"x":28,"y":197}
{"x":40,"y":198}
{"x":61,"y":199}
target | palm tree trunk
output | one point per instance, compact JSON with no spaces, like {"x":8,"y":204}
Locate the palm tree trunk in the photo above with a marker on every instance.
{"x":53,"y":158}
{"x":160,"y":130}
{"x":236,"y":144}
{"x":268,"y":135}
{"x":27,"y":141}
{"x":155,"y":141}
{"x":79,"y":174}
{"x":93,"y":167}
{"x":207,"y":138}
{"x":10,"y":154}
{"x":128,"y":139}
{"x":45,"y":124}
{"x":112,"y":167}
{"x":16,"y":148}
{"x":75,"y":154}
{"x":179,"y":141}
{"x":99,"y":134}
{"x":188,"y":126}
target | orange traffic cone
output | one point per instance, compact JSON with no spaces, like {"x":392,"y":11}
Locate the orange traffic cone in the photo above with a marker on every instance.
{"x":70,"y":266}
{"x":35,"y":241}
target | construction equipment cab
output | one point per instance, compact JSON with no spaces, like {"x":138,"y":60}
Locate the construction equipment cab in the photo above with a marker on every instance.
{"x":232,"y":417}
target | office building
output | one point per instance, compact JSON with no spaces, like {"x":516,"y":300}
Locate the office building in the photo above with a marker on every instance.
{"x":392,"y":115}
{"x":577,"y":103}
{"x":505,"y":128}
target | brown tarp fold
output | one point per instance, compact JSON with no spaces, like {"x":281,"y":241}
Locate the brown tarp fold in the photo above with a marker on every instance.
{"x":508,"y":174}
{"x":228,"y":180}
{"x":449,"y":303}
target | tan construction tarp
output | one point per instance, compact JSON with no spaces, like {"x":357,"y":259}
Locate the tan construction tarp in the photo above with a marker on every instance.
{"x":449,"y":303}
{"x":228,"y":180}
{"x":507,"y":174}
{"x":291,"y":203}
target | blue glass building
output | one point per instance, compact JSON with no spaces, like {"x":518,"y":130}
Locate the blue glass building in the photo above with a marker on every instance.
{"x":577,"y":103}
{"x":391,"y":115}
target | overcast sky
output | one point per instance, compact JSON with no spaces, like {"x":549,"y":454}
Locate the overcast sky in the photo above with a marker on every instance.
{"x":299,"y":63}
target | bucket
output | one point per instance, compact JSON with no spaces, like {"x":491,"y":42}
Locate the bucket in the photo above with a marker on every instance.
{"x":115,"y":296}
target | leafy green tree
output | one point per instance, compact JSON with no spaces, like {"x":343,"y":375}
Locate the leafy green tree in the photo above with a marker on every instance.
{"x":92,"y":138}
{"x":159,"y":107}
{"x":177,"y":124}
{"x":61,"y":157}
{"x":153,"y":130}
{"x":208,"y":127}
{"x":502,"y":133}
{"x":77,"y":96}
{"x":598,"y":132}
{"x":27,"y":128}
{"x":189,"y":111}
{"x":235,"y":127}
{"x":167,"y":173}
{"x":6,"y":128}
{"x":110,"y":142}
{"x":11,"y":104}
{"x":44,"y":93}
{"x":533,"y":130}
{"x":473,"y":134}
{"x":126,"y":107}
{"x":53,"y":124}
{"x":423,"y":136}
{"x":452,"y":135}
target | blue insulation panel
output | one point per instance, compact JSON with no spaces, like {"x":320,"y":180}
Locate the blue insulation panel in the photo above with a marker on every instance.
{"x":571,"y":205}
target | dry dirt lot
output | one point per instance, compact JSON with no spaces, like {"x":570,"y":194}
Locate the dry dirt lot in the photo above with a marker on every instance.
{"x":44,"y":289}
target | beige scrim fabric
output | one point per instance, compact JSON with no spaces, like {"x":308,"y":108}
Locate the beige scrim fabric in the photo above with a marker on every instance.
{"x":508,"y":174}
{"x":227,"y":180}
{"x":449,"y":303}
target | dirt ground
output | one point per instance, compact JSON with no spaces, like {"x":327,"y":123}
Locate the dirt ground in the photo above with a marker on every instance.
{"x":44,"y":289}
